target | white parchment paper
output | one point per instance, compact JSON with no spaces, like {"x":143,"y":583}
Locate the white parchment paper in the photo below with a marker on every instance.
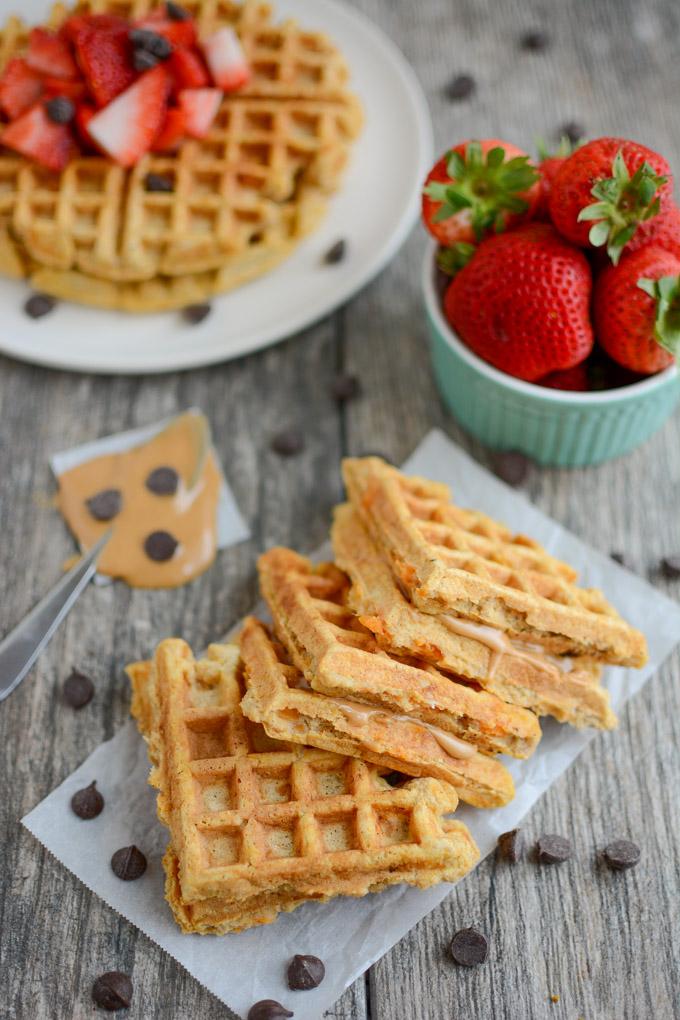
{"x":349,"y":935}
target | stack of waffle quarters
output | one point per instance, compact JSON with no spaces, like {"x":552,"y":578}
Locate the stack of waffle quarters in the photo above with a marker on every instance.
{"x":242,"y":198}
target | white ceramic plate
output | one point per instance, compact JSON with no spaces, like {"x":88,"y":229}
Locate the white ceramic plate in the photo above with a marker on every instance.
{"x":374,"y":211}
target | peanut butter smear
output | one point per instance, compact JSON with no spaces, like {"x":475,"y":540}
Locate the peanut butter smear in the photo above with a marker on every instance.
{"x":163,"y":522}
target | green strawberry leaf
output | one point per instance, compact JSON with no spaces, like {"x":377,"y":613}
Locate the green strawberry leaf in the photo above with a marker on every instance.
{"x":452,"y":260}
{"x":666,"y":293}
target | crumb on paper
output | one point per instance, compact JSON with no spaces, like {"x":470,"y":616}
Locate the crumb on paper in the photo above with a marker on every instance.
{"x":554,"y":998}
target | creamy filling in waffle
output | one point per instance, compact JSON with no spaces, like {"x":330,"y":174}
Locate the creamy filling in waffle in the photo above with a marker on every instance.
{"x":522,"y":674}
{"x":461,"y":562}
{"x":257,"y":825}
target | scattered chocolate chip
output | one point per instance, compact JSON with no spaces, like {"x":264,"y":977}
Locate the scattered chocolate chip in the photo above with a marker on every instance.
{"x":469,"y":947}
{"x":618,"y":557}
{"x":573,"y":131}
{"x":193,"y":314}
{"x":39,"y":305}
{"x":163,"y":481}
{"x":268,"y":1009}
{"x":345,"y":387}
{"x":621,"y":854}
{"x":160,"y":546}
{"x":78,"y":689}
{"x":553,"y":849}
{"x":112,"y":991}
{"x":88,"y":802}
{"x":460,"y":87}
{"x":288,"y":442}
{"x":128,"y":863}
{"x":305,"y":972}
{"x":60,"y":110}
{"x":159,"y":182}
{"x":336,"y":253}
{"x":395,"y":778}
{"x":105,"y":505}
{"x":670,"y":565}
{"x":175,"y":12}
{"x":512,"y":466}
{"x":142,"y":60}
{"x":509,"y":846}
{"x":534,"y":40}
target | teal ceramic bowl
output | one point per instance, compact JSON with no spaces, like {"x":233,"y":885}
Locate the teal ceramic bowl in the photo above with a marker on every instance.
{"x":551,"y":426}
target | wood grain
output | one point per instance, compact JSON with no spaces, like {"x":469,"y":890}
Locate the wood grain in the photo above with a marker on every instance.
{"x":606,"y":944}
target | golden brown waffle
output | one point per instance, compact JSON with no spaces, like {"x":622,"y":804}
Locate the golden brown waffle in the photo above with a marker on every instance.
{"x":568,"y":689}
{"x":278,"y":145}
{"x":289,"y":709}
{"x":449,"y":560}
{"x":258,"y":826}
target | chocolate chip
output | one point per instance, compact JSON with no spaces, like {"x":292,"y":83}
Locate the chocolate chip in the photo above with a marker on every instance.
{"x":509,"y":846}
{"x":336,"y":253}
{"x":460,"y":87}
{"x":618,"y":557}
{"x":163,"y":481}
{"x":142,"y":60}
{"x":305,"y":972}
{"x":88,"y":802}
{"x":670,"y":565}
{"x":175,"y":12}
{"x":39,"y":305}
{"x":573,"y":131}
{"x":159,"y":182}
{"x":60,"y":110}
{"x":553,"y":849}
{"x":105,"y":505}
{"x":160,"y":546}
{"x":345,"y":387}
{"x":128,"y":863}
{"x":621,"y":854}
{"x":534,"y":40}
{"x":78,"y":689}
{"x":469,"y":947}
{"x":193,"y":314}
{"x":112,"y":991}
{"x":288,"y":442}
{"x":512,"y":466}
{"x":268,"y":1009}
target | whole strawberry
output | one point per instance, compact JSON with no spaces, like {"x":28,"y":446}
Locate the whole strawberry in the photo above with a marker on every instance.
{"x":550,"y":163}
{"x":637,"y":310}
{"x":522,"y":302}
{"x":667,"y":230}
{"x":609,"y":193}
{"x":476,"y":188}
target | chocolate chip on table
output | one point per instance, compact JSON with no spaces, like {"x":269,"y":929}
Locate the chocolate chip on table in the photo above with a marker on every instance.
{"x":78,"y":689}
{"x":193,"y":314}
{"x":163,"y":481}
{"x":534,"y":40}
{"x":159,"y":182}
{"x":128,"y":863}
{"x":460,"y":87}
{"x":336,"y":253}
{"x":345,"y":387}
{"x":175,"y":12}
{"x":105,"y":505}
{"x":553,"y":849}
{"x":39,"y":305}
{"x":88,"y":802}
{"x":142,"y":60}
{"x":60,"y":110}
{"x":573,"y":131}
{"x":509,"y":846}
{"x":112,"y":991}
{"x":268,"y":1009}
{"x":511,"y":466}
{"x":288,"y":442}
{"x":305,"y":972}
{"x":469,"y":947}
{"x":621,"y":854}
{"x":670,"y":566}
{"x":160,"y":546}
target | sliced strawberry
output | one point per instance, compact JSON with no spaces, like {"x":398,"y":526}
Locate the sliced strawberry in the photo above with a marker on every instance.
{"x":59,"y":87}
{"x":200,"y":108}
{"x":179,"y":33}
{"x":104,"y":53}
{"x":20,"y":88}
{"x":36,"y":136}
{"x":188,"y":70}
{"x":172,"y":131}
{"x":102,"y":22}
{"x":48,"y":54}
{"x":84,"y":114}
{"x":127,"y":127}
{"x":226,"y":59}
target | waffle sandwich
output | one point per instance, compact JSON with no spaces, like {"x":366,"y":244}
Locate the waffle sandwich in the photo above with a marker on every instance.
{"x":259,"y":826}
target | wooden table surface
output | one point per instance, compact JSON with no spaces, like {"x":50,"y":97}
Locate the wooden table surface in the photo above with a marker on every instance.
{"x":608,"y":945}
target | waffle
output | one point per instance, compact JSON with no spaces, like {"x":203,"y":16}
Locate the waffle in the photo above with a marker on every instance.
{"x":567,"y":689}
{"x":280,"y":141}
{"x":259,"y":826}
{"x":461,"y":562}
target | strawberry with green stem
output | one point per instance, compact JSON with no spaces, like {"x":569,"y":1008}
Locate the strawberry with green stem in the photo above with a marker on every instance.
{"x":550,"y":163}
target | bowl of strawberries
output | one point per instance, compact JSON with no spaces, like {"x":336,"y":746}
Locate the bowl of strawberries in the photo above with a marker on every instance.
{"x":552,"y":292}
